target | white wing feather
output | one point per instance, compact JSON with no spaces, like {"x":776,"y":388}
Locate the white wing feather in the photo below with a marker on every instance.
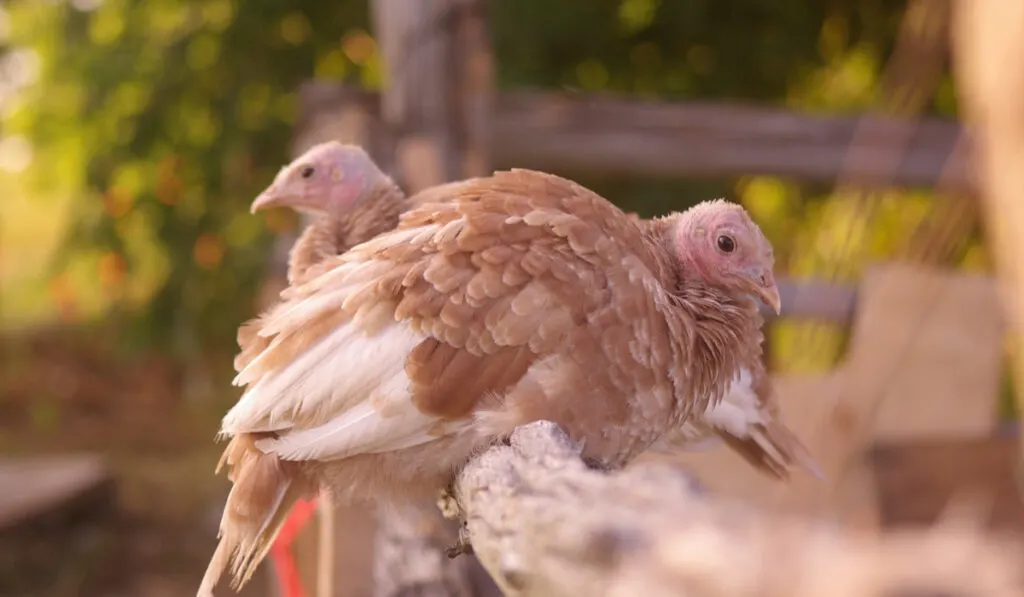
{"x":735,"y":414}
{"x":351,"y":384}
{"x":738,"y":411}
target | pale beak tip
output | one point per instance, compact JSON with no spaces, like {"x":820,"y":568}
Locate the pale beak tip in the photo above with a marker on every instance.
{"x":262,"y":201}
{"x":770,"y":295}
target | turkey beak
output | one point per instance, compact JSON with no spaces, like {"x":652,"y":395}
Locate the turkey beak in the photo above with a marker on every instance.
{"x":768,"y":291}
{"x":271,"y":197}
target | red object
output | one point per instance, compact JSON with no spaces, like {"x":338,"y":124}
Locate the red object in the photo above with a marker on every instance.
{"x":289,"y":583}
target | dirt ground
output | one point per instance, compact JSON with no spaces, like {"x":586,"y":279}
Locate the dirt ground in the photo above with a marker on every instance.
{"x":60,"y":393}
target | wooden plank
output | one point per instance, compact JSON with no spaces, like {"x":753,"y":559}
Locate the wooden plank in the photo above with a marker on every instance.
{"x":815,"y":299}
{"x":305,"y":550}
{"x":436,"y":111}
{"x":351,"y":122}
{"x":900,"y":306}
{"x":52,"y":511}
{"x":884,"y":334}
{"x":38,"y":487}
{"x":632,"y":138}
{"x":917,"y":481}
{"x":992,"y":100}
{"x":410,"y":557}
{"x":805,"y":401}
{"x":946,"y":377}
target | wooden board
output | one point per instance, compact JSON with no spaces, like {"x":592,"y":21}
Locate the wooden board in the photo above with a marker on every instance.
{"x":56,"y":514}
{"x":991,"y":102}
{"x":946,"y":355}
{"x":805,"y":401}
{"x":917,"y":481}
{"x":912,"y":324}
{"x":36,"y":487}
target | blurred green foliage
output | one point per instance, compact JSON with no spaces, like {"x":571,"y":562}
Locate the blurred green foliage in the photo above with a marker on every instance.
{"x":162,"y":119}
{"x":155,"y":122}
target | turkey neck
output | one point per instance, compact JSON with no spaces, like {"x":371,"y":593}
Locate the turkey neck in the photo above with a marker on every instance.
{"x":726,"y":334}
{"x":333,"y":234}
{"x":722,"y":329}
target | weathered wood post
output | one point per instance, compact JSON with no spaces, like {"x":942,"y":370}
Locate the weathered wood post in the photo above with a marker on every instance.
{"x":436,"y":109}
{"x":437,"y":102}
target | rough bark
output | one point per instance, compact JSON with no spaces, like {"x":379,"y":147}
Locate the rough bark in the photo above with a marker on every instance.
{"x":410,"y":560}
{"x":543,"y":524}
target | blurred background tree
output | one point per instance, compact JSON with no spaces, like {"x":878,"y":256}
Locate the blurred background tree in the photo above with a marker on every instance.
{"x":135,"y":134}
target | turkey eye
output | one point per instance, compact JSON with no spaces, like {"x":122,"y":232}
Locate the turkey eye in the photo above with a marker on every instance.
{"x":726,"y":244}
{"x":307,"y":171}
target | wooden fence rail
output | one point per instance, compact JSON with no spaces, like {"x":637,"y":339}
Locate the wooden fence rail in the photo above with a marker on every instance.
{"x":647,"y":139}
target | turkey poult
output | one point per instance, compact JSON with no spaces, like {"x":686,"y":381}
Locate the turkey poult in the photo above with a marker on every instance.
{"x":747,"y":419}
{"x":350,"y":199}
{"x":522,"y":297}
{"x":331,"y":181}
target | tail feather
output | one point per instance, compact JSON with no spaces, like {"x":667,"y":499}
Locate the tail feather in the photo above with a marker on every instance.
{"x":265,"y":489}
{"x":750,"y":422}
{"x":774,"y":449}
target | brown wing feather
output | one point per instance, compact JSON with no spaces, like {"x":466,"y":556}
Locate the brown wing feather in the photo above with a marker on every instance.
{"x":515,"y":266}
{"x":448,"y":382}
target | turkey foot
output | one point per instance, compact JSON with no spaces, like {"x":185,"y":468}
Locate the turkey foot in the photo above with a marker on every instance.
{"x":462,"y":545}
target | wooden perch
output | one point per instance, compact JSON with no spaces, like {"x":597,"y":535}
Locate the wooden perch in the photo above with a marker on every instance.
{"x":543,"y":524}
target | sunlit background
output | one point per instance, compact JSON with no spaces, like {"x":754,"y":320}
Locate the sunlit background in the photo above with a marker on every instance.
{"x":134,"y":135}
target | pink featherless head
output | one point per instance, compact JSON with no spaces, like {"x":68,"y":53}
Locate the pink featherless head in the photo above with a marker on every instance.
{"x":720,"y":242}
{"x":328,"y":178}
